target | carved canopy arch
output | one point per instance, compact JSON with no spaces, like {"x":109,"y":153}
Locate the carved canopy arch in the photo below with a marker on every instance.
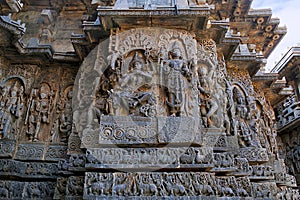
{"x":239,"y":88}
{"x":20,"y":79}
{"x":207,"y":53}
{"x":132,"y":40}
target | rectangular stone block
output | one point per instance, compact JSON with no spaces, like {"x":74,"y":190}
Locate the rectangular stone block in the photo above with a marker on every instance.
{"x":176,"y":130}
{"x":141,"y":131}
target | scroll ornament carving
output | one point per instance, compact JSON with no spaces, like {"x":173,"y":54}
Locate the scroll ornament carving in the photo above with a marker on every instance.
{"x":7,"y":148}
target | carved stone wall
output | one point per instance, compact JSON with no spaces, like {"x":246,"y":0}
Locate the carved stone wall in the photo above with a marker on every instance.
{"x":159,"y":100}
{"x":288,"y":145}
{"x":36,"y":121}
{"x":145,"y":100}
{"x":150,"y":112}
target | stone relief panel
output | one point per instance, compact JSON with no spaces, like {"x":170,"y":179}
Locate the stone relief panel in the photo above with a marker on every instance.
{"x":150,"y":73}
{"x":74,"y":187}
{"x":289,"y":151}
{"x":18,"y":169}
{"x":39,"y":112}
{"x":62,"y":126}
{"x":149,"y":158}
{"x":266,"y":128}
{"x":200,"y":184}
{"x":253,"y":118}
{"x":23,"y":72}
{"x":241,"y":124}
{"x":26,"y":190}
{"x":12,"y":107}
{"x":15,"y":84}
{"x":63,"y":115}
{"x":28,"y":103}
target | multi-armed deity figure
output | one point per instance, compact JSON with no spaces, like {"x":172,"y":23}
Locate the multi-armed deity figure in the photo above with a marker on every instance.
{"x":133,"y":94}
{"x":137,"y":76}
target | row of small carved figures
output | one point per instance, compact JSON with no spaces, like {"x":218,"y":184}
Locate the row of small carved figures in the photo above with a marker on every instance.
{"x":214,"y":161}
{"x":163,"y":184}
{"x":26,"y":190}
{"x":180,"y":184}
{"x":28,"y":169}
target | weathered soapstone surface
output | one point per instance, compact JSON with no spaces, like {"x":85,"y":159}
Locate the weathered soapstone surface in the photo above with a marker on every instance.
{"x":287,"y":111}
{"x":153,"y":101}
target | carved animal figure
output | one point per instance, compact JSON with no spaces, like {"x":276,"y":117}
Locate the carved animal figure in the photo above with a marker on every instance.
{"x":90,"y":158}
{"x":203,"y":158}
{"x":188,"y":157}
{"x":268,"y":171}
{"x":33,"y":191}
{"x":148,"y":189}
{"x":78,"y":161}
{"x":225,"y":191}
{"x":97,"y":188}
{"x":259,"y":170}
{"x":175,"y":189}
{"x":217,"y":160}
{"x":3,"y":191}
{"x":120,"y":190}
{"x":242,"y":192}
{"x":227,"y":161}
{"x":262,"y":194}
{"x":117,"y":101}
{"x":75,"y":187}
{"x":203,"y":189}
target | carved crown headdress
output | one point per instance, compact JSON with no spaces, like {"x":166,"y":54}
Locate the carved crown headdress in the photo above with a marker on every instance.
{"x":136,"y":59}
{"x":176,"y":45}
{"x":15,"y":87}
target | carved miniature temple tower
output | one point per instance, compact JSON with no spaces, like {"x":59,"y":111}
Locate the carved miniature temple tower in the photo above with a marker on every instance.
{"x":163,"y":106}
